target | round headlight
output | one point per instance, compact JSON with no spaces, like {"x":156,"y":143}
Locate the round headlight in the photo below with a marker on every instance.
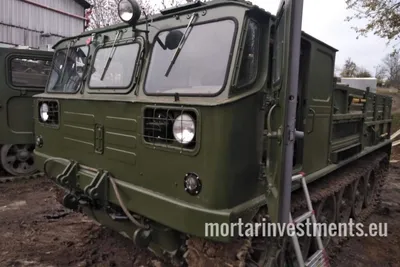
{"x":184,"y":129}
{"x":125,"y":10}
{"x":129,"y":11}
{"x":44,"y":112}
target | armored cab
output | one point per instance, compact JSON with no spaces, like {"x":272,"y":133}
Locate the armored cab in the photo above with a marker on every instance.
{"x":202,"y":114}
{"x":23,"y":73}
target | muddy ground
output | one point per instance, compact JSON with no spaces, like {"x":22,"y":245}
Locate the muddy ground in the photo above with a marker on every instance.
{"x":36,"y":231}
{"x":378,"y":251}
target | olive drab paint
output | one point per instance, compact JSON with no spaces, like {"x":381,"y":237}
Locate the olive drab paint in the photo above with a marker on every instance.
{"x":112,"y":138}
{"x":24,"y":73}
{"x":285,"y":83}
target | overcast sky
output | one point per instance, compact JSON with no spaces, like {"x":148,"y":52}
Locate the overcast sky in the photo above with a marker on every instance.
{"x":325,"y":20}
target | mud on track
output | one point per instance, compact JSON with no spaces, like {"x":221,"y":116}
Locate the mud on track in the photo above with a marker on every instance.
{"x":36,"y":231}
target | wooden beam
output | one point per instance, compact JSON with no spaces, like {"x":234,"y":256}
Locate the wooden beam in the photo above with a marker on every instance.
{"x":393,"y":136}
{"x":396,"y":143}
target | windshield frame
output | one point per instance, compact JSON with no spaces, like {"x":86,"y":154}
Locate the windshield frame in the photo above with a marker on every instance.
{"x":52,"y":67}
{"x":116,"y":89}
{"x":228,"y":70}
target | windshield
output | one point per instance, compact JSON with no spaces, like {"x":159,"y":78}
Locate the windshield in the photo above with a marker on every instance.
{"x":120,"y":69}
{"x":67,"y":71}
{"x":201,"y":66}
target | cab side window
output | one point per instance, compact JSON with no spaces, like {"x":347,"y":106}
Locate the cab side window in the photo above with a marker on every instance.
{"x":29,"y":72}
{"x":249,"y":64}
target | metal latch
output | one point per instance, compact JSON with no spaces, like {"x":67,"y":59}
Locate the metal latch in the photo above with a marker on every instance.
{"x":99,"y":139}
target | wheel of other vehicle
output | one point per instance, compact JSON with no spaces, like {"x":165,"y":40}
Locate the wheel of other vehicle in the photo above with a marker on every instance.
{"x":18,"y":159}
{"x":358,"y":197}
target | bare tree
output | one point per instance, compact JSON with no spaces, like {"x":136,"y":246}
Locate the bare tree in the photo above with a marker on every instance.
{"x":104,"y":12}
{"x":349,"y":68}
{"x":380,"y":74}
{"x":363,"y":73}
{"x":392,"y":66}
{"x":171,"y":3}
{"x":382,"y":17}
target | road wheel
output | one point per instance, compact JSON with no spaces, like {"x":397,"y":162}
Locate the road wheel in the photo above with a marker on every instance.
{"x":358,"y":197}
{"x":371,"y":188}
{"x":326,"y":214}
{"x":18,"y":159}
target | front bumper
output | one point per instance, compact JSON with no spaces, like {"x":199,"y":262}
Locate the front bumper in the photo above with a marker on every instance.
{"x":178,"y":215}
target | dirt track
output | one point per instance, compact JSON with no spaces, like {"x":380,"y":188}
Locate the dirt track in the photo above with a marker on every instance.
{"x":36,"y":231}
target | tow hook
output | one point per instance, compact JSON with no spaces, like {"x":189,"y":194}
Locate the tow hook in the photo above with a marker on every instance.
{"x":70,"y":202}
{"x":68,"y":177}
{"x":142,"y":238}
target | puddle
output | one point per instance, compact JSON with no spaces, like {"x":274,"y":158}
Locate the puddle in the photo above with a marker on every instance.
{"x":13,"y":206}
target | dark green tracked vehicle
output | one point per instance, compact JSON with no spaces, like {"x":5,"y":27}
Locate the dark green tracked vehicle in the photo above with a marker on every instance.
{"x":202,"y":114}
{"x":24,"y":72}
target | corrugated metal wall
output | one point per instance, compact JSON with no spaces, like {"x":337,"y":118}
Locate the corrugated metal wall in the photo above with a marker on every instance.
{"x":23,"y":23}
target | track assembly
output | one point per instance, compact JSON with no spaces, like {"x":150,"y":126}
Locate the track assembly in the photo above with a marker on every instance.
{"x":333,"y":195}
{"x":339,"y":192}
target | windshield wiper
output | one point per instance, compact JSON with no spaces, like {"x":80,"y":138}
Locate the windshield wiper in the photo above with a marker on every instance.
{"x":110,"y":57}
{"x":181,"y":43}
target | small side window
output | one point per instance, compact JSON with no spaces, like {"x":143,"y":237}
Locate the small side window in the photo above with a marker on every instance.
{"x":29,"y":72}
{"x":249,"y":64}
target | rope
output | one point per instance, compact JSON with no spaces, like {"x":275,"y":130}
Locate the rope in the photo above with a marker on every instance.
{"x":121,"y":203}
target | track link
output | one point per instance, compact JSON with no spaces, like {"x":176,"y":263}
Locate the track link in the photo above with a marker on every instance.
{"x":239,"y":253}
